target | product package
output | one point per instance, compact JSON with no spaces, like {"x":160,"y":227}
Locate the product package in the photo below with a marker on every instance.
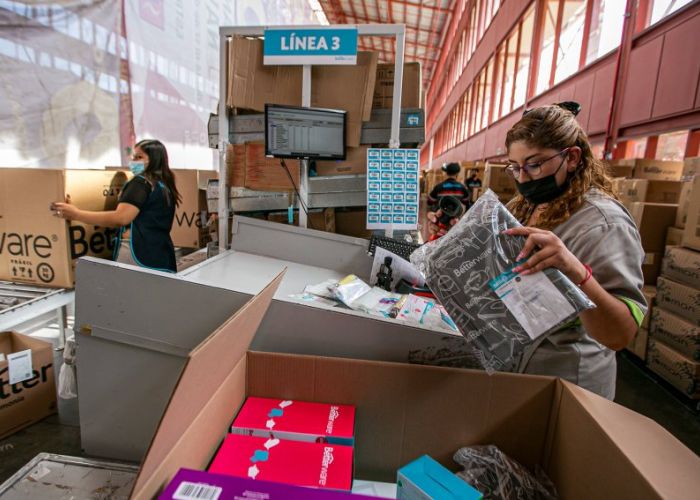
{"x":196,"y":485}
{"x":499,"y":477}
{"x":316,"y":465}
{"x":349,"y":289}
{"x":426,"y":479}
{"x":499,"y":312}
{"x":378,"y":302}
{"x":296,"y":420}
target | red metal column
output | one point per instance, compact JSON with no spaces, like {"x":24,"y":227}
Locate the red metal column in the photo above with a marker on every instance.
{"x":652,"y":143}
{"x":692,"y":148}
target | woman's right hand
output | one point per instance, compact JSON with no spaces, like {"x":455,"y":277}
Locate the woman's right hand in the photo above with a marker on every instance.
{"x":433,"y":228}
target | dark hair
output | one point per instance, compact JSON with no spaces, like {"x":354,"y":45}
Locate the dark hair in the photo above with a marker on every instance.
{"x":158,"y":168}
{"x":555,"y":127}
{"x":451,"y":168}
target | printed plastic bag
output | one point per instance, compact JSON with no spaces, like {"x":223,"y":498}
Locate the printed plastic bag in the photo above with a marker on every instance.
{"x":498,"y":312}
{"x":67,"y":383}
{"x":499,"y":477}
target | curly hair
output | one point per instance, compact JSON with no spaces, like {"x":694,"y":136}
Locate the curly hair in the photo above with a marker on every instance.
{"x":554,"y":127}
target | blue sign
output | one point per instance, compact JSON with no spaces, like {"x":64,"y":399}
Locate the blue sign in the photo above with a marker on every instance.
{"x":284,"y":46}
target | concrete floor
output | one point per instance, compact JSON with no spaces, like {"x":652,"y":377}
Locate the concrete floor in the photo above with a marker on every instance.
{"x":636,"y":389}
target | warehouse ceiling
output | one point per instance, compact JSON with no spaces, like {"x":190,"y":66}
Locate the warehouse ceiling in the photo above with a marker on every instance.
{"x":426,"y":24}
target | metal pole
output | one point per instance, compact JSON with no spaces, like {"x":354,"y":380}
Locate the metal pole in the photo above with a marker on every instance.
{"x":304,"y":173}
{"x":223,"y":143}
{"x":395,"y":140}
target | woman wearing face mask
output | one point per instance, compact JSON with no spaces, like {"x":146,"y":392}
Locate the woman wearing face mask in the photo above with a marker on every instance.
{"x":145,"y":212}
{"x":573,"y":222}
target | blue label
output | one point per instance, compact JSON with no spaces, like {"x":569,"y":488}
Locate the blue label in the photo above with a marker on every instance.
{"x":399,"y":154}
{"x":412,"y":166}
{"x":373,"y":165}
{"x":411,"y":219}
{"x":412,"y":209}
{"x":411,"y":198}
{"x":412,"y":154}
{"x":411,"y":177}
{"x":399,"y":186}
{"x":373,"y":154}
{"x":386,"y":219}
{"x":372,"y":218}
{"x":386,"y":209}
{"x":386,"y":176}
{"x":398,"y":219}
{"x":411,"y":186}
{"x":398,"y":198}
{"x":399,"y":176}
{"x":386,"y":186}
{"x":399,"y":165}
{"x":413,"y":120}
{"x":374,"y":176}
{"x":373,"y":197}
{"x":399,"y":208}
{"x":373,"y":207}
{"x":386,"y":197}
{"x":310,"y":42}
{"x":386,"y":165}
{"x":374,"y":186}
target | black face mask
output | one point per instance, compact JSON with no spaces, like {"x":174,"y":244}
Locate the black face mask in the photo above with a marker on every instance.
{"x":543,"y":190}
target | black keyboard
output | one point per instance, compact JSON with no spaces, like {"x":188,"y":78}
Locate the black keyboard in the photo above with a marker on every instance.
{"x":401,"y":248}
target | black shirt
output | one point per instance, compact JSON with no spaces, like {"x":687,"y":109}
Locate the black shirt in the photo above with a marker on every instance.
{"x":150,"y":230}
{"x":449,"y":187}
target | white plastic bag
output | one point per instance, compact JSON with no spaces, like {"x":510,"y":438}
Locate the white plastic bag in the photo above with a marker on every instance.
{"x":67,"y":382}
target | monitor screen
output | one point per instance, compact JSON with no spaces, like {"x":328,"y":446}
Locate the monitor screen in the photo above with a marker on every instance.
{"x":293,"y":132}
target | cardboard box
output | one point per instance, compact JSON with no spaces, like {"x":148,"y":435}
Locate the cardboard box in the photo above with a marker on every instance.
{"x":498,"y":180}
{"x":411,"y":87}
{"x":355,"y":163}
{"x":588,"y":446}
{"x":318,"y":219}
{"x":296,"y":420}
{"x":638,"y":345}
{"x":653,"y":219}
{"x":691,"y":167}
{"x":621,"y":168}
{"x":679,"y":299}
{"x":347,"y":87}
{"x":650,"y":296}
{"x":196,"y":485}
{"x":643,"y":190}
{"x":675,"y":368}
{"x":352,"y":222}
{"x":188,"y":230}
{"x":425,"y":479}
{"x":674,"y":237}
{"x":251,"y":84}
{"x":677,"y":333}
{"x":34,"y":397}
{"x":316,"y":465}
{"x":658,"y":170}
{"x":35,"y":246}
{"x":683,"y":266}
{"x":235,"y":165}
{"x":691,"y":234}
{"x":267,"y":174}
{"x":683,"y":204}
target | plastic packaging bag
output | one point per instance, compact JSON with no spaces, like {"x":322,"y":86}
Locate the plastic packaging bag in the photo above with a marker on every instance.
{"x":349,"y":289}
{"x":498,"y":312}
{"x":67,"y":384}
{"x":324,"y":289}
{"x":377,"y":302}
{"x":499,"y":477}
{"x":309,"y":297}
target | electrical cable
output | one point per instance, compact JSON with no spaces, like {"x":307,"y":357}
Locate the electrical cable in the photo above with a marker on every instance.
{"x":301,"y":201}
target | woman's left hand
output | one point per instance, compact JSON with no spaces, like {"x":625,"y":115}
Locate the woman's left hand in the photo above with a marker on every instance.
{"x":65,"y":210}
{"x":551,"y":252}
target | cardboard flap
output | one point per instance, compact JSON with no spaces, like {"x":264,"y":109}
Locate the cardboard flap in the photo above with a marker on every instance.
{"x":646,"y":457}
{"x":209,"y":391}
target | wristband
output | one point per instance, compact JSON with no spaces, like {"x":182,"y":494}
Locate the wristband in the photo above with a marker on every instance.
{"x":589,"y":275}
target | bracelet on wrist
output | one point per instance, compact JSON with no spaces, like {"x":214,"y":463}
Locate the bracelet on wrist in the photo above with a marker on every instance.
{"x":589,"y":275}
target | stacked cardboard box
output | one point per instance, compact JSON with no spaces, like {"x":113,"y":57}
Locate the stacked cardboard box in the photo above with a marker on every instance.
{"x":646,"y":191}
{"x":355,"y":163}
{"x":674,"y":348}
{"x":190,"y":217}
{"x":411,"y":88}
{"x":497,"y":179}
{"x":691,"y":232}
{"x":653,"y":220}
{"x":352,"y":222}
{"x":249,"y":167}
{"x":319,"y":219}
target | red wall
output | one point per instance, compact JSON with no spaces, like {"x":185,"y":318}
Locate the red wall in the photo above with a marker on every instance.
{"x":661,"y":93}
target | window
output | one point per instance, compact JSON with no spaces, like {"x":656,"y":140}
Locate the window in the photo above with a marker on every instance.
{"x":607,"y":19}
{"x":672,"y":146}
{"x":663,"y":8}
{"x":637,"y":148}
{"x":488,"y":85}
{"x":526,"y":31}
{"x":544,"y":71}
{"x":570,"y":39}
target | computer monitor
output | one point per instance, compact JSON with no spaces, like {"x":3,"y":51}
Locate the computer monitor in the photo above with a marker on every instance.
{"x":304,"y":133}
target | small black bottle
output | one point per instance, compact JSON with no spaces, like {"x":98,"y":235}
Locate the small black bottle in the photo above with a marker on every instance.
{"x":384,"y":276}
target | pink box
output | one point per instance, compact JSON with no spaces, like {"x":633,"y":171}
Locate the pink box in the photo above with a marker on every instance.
{"x":296,"y":420}
{"x":293,"y":462}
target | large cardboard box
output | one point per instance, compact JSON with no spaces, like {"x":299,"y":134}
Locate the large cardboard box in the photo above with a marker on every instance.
{"x":235,"y":165}
{"x":638,"y":345}
{"x":32,"y":399}
{"x":679,"y":299}
{"x":588,"y":446}
{"x":650,"y":296}
{"x":683,"y":204}
{"x":411,"y":88}
{"x":349,"y":88}
{"x":658,"y":170}
{"x":643,"y":190}
{"x":677,"y":333}
{"x":691,"y":234}
{"x":682,"y":265}
{"x":267,"y":174}
{"x":691,"y":167}
{"x":352,"y":222}
{"x":674,"y":237}
{"x":500,"y":182}
{"x":319,"y":219}
{"x":251,"y":84}
{"x":653,"y":220}
{"x":621,"y":168}
{"x":355,"y":163}
{"x":37,"y":247}
{"x":187,"y":228}
{"x":675,"y":368}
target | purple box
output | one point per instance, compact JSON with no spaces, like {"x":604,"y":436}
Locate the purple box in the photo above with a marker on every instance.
{"x":196,"y":485}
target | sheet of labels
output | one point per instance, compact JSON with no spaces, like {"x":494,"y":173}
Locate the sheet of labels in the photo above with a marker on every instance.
{"x":392,"y":188}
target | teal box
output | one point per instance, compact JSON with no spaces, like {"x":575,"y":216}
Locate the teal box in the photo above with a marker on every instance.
{"x":425,"y":479}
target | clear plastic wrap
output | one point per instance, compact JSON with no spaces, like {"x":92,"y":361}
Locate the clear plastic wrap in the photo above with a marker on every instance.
{"x":499,"y":477}
{"x":349,"y":289}
{"x":67,"y":382}
{"x":498,"y":312}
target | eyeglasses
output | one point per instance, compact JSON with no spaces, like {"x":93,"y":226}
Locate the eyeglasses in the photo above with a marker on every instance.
{"x":534,"y":168}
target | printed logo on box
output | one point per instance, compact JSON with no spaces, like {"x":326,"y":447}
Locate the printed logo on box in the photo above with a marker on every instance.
{"x":399,"y":186}
{"x":386,"y":197}
{"x":411,"y":198}
{"x":373,"y":197}
{"x":386,"y":209}
{"x":373,"y":207}
{"x":399,"y":198}
{"x":373,"y":176}
{"x":373,"y":165}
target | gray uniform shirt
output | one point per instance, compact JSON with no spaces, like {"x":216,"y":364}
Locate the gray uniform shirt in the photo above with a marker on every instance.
{"x":603,"y":235}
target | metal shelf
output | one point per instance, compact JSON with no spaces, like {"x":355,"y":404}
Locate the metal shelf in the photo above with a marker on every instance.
{"x":25,"y":304}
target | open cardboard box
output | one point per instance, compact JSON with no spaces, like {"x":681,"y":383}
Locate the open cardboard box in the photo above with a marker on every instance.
{"x":589,"y":446}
